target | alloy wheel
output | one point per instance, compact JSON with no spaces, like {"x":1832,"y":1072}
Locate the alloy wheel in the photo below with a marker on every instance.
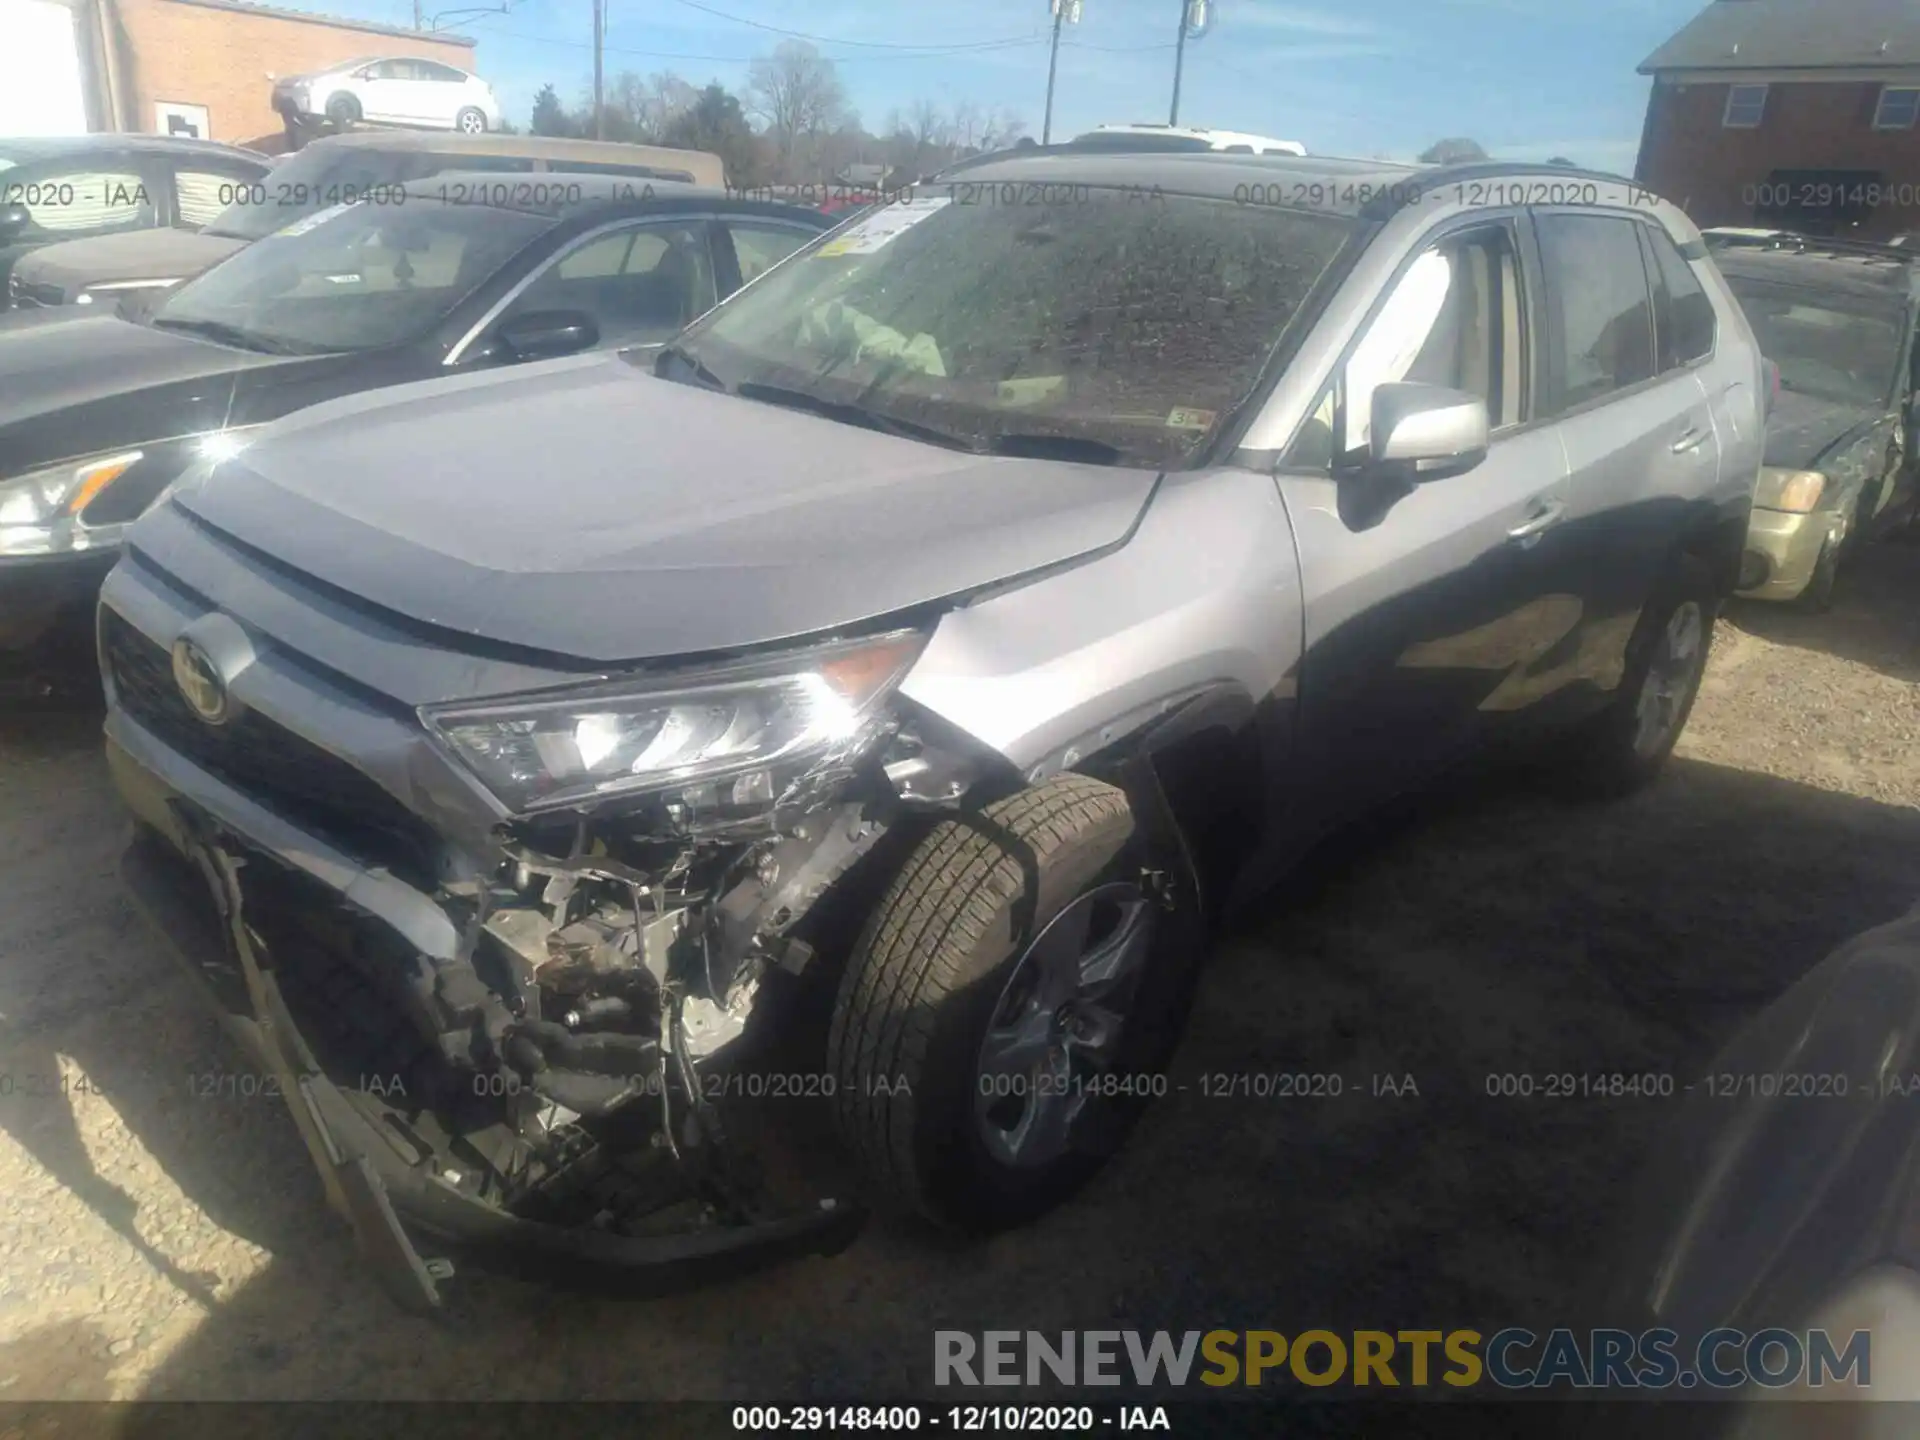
{"x":1057,"y":1025}
{"x":1672,"y":674}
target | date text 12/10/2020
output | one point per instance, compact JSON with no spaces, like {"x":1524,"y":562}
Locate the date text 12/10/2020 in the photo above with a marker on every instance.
{"x":958,"y":1419}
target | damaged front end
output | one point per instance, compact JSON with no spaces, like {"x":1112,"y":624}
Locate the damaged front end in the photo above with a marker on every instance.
{"x":543,"y":1093}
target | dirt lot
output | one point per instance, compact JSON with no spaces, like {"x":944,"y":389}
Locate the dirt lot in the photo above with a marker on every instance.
{"x":167,"y":1244}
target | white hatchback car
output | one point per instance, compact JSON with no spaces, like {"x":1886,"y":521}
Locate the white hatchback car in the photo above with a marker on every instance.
{"x":398,"y":90}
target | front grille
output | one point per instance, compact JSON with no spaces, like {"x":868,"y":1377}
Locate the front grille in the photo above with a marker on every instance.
{"x":296,"y":779}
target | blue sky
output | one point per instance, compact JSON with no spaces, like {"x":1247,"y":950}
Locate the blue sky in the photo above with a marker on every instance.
{"x":1527,"y":78}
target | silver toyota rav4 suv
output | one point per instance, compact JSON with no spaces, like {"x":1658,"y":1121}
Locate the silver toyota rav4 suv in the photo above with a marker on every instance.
{"x":871,"y":696}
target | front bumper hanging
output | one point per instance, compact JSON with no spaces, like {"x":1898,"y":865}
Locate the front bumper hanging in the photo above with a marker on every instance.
{"x":395,"y":1206}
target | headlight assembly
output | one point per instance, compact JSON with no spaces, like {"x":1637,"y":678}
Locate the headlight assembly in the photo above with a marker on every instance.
{"x":1794,"y":491}
{"x":717,"y":747}
{"x":86,"y":504}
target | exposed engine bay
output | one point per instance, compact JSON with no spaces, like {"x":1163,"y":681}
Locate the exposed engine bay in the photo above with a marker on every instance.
{"x":563,"y":1066}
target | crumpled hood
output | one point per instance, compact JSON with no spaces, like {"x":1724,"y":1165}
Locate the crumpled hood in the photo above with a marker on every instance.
{"x":1802,"y":428}
{"x":158,"y":254}
{"x":583,"y":508}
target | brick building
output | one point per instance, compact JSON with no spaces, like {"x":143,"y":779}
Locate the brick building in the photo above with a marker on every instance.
{"x":202,"y":67}
{"x":1799,"y":114}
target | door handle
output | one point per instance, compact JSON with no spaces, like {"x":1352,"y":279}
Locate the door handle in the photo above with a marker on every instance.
{"x":1547,"y":513}
{"x":1692,"y":438}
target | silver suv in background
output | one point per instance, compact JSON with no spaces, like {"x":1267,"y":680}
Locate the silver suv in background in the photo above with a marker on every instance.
{"x":948,"y":626}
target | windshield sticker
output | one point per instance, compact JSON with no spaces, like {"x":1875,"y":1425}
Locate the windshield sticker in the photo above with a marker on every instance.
{"x":864,"y":237}
{"x":1032,"y":389}
{"x":309,"y":222}
{"x":1186,"y":418}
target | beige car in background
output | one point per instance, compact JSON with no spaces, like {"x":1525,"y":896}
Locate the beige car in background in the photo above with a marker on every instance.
{"x":1838,"y":320}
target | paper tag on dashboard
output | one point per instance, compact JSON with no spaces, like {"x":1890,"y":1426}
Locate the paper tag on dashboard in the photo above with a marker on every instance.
{"x":311,"y":222}
{"x":865,"y":236}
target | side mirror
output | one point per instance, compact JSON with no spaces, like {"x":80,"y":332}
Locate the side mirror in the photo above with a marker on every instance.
{"x":547,"y":334}
{"x":1427,"y":432}
{"x":14,"y":217}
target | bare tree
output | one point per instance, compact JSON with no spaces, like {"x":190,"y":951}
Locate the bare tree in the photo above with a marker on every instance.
{"x":930,"y":129}
{"x":969,"y":122}
{"x":664,"y":99}
{"x":797,"y":92}
{"x":1001,"y":129}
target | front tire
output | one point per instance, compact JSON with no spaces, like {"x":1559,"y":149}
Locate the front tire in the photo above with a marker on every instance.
{"x":470,"y":122}
{"x":343,"y":110}
{"x":1006,"y":1013}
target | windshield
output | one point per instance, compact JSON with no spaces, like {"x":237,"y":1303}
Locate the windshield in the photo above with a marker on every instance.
{"x":356,"y":277}
{"x":1122,"y":321}
{"x":1824,"y":347}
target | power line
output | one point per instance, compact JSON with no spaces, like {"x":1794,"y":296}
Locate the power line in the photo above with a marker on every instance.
{"x":955,"y":48}
{"x":733,"y":59}
{"x":1117,"y":49}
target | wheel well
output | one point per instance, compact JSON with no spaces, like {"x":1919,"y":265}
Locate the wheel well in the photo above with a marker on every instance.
{"x":1206,"y":759}
{"x":1717,"y":547}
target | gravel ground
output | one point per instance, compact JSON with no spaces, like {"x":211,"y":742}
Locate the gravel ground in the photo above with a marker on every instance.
{"x":169,"y":1244}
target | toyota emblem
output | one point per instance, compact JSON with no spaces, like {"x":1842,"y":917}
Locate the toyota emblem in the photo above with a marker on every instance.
{"x":200,"y":682}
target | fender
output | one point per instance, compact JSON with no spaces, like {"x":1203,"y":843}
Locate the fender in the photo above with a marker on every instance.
{"x":1218,"y":727}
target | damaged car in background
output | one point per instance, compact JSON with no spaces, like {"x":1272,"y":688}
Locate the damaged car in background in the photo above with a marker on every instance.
{"x":1841,"y":321}
{"x":898,"y":670}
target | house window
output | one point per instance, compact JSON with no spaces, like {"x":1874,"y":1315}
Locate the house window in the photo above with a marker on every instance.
{"x":1899,"y":107}
{"x":1745,"y":105}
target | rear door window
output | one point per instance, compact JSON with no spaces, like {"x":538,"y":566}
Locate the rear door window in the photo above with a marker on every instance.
{"x":68,"y":201}
{"x":1599,"y":306}
{"x":1683,"y":317}
{"x":201,"y":192}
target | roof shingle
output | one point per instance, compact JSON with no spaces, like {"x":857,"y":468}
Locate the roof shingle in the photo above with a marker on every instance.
{"x":1794,"y":34}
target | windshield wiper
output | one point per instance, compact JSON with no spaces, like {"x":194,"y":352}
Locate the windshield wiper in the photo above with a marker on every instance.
{"x":849,"y":414}
{"x":1040,"y":445}
{"x":673,"y":350}
{"x":220,"y":331}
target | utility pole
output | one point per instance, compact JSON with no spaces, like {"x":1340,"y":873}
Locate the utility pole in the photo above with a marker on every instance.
{"x":416,"y":14}
{"x":1179,"y":59}
{"x":599,"y":32}
{"x":1195,"y":21}
{"x":1065,"y":12}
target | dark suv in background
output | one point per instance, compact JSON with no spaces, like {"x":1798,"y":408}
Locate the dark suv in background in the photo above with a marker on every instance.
{"x":337,"y":170}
